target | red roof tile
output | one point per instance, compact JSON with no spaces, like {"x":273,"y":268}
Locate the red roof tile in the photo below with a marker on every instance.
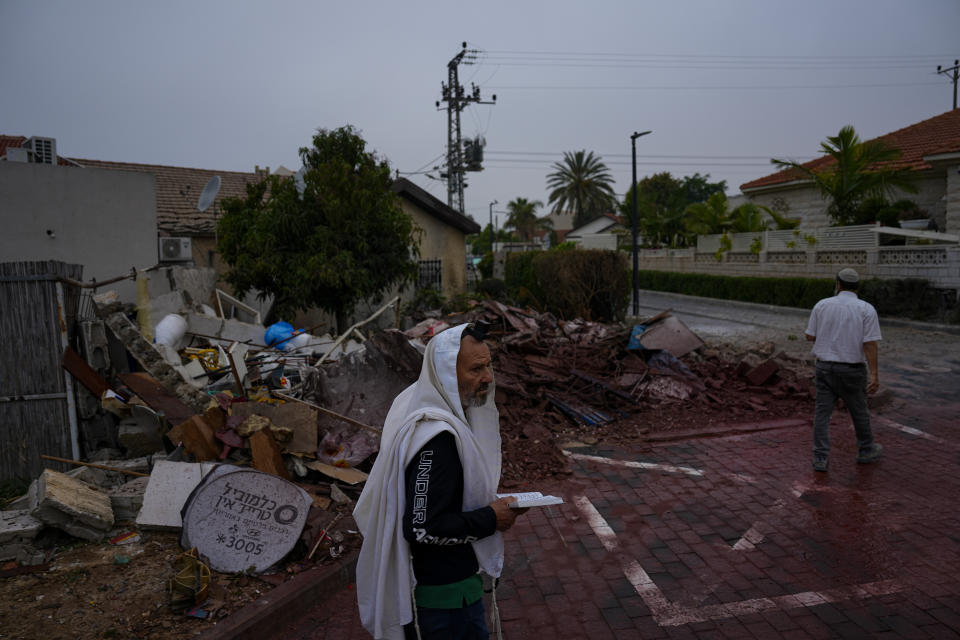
{"x":940,"y":134}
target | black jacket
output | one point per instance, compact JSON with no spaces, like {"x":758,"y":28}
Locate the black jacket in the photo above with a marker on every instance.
{"x":434,"y":523}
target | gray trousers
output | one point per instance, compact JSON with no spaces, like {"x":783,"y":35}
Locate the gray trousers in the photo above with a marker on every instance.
{"x":848,"y":382}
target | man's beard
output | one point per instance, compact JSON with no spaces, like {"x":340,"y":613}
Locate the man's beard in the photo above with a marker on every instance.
{"x":476,"y":399}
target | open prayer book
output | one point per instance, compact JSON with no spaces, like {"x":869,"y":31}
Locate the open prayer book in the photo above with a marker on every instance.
{"x":531,"y":499}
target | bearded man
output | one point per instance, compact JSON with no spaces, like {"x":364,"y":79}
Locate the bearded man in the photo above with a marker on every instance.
{"x":428,"y":513}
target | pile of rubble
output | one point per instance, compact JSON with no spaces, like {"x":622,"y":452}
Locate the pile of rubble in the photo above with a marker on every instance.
{"x":226,"y":424}
{"x":577,"y":380}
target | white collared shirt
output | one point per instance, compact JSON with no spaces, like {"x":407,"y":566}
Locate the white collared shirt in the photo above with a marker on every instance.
{"x":841,"y":325}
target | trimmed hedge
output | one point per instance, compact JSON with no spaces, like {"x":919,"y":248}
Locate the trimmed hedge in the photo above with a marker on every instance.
{"x":783,"y":292}
{"x":910,"y":298}
{"x":591,"y":284}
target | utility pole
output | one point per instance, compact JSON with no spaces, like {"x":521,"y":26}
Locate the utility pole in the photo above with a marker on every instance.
{"x":456,"y":100}
{"x":636,"y":262}
{"x":956,"y":73}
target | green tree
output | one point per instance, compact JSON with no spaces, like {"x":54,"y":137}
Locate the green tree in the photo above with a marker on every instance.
{"x":582,"y":183}
{"x":662,"y":202}
{"x":857,"y":171}
{"x":345,"y":239}
{"x":523,"y":218}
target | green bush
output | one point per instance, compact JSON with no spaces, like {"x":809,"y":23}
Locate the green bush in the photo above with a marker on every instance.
{"x":590,"y":284}
{"x":909,"y":298}
{"x":784,"y":292}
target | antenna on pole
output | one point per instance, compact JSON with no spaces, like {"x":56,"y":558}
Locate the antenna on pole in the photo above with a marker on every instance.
{"x":456,"y":100}
{"x":956,"y":74}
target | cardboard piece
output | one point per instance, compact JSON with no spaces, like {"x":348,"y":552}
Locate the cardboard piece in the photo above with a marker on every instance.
{"x":265,"y":453}
{"x":671,"y":335}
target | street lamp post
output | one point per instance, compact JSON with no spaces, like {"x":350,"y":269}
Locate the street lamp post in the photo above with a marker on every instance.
{"x":491,"y":224}
{"x":636,"y":263}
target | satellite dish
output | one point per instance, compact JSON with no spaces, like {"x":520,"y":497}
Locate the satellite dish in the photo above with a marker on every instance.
{"x":209,"y":194}
{"x":299,"y":181}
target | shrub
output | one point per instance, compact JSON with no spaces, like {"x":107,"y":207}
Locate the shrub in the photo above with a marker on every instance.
{"x":590,"y":284}
{"x":911,"y":298}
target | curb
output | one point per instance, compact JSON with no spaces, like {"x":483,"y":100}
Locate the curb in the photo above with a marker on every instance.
{"x":284,"y":604}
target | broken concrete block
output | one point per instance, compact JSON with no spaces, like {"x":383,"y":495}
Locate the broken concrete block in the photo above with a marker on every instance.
{"x":18,"y":525}
{"x":17,"y":529}
{"x":762,"y":373}
{"x":72,"y":506}
{"x":140,"y":434}
{"x":169,"y":486}
{"x":127,"y":499}
{"x":90,"y":475}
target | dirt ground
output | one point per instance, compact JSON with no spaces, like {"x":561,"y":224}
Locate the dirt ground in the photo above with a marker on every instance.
{"x":99,"y":590}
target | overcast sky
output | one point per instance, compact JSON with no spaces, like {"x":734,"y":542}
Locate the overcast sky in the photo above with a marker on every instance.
{"x":723,"y":85}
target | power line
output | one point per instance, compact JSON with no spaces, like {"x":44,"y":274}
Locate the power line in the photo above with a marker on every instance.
{"x":925,"y":56}
{"x":627,"y":155}
{"x":699,"y":87}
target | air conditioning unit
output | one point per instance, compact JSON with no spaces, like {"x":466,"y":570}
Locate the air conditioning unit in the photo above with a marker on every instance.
{"x":175,"y":250}
{"x":42,"y":150}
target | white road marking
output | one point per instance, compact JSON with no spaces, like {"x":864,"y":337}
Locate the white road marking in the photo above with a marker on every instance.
{"x":887,"y":422}
{"x":631,"y":464}
{"x":669,"y":614}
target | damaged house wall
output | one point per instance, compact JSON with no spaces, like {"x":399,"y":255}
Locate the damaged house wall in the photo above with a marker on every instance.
{"x":102,"y":219}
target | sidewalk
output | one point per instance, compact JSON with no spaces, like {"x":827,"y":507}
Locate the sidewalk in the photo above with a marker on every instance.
{"x":733,"y":537}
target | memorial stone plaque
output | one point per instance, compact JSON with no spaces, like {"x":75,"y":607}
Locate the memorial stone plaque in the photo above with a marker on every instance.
{"x":245,"y":518}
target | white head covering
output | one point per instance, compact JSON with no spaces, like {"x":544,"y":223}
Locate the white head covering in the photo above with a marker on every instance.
{"x":426,"y":408}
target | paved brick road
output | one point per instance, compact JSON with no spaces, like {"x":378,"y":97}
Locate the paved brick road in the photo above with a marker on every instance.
{"x":734,"y":537}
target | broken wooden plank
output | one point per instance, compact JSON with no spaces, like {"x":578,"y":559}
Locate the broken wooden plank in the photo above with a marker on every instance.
{"x":197,"y":437}
{"x":299,"y":418}
{"x":265,"y":454}
{"x":83,"y":372}
{"x":157,"y":397}
{"x":344,"y":474}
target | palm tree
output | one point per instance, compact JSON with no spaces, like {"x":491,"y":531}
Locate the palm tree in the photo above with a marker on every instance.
{"x":712,"y":216}
{"x":859,"y":170}
{"x":582,"y":183}
{"x":523,"y":217}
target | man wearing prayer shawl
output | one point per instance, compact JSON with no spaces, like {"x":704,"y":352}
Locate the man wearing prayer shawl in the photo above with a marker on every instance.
{"x":428,"y":513}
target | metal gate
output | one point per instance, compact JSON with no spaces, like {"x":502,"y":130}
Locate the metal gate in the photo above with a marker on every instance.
{"x":37,"y":406}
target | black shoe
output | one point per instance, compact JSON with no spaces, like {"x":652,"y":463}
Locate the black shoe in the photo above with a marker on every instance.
{"x":870,"y":456}
{"x":820,"y":463}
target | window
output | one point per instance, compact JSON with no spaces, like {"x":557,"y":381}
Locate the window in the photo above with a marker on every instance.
{"x":431,"y":275}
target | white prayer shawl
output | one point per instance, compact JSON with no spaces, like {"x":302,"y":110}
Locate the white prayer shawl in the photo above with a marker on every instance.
{"x":421,"y":411}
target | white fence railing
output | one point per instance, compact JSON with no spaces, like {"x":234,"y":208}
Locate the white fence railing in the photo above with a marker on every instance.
{"x":863,"y":236}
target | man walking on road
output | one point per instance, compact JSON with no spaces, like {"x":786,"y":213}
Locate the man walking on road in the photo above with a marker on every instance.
{"x":845,"y":332}
{"x":429,"y":514}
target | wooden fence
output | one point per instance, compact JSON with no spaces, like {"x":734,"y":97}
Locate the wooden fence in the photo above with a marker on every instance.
{"x":37,"y":408}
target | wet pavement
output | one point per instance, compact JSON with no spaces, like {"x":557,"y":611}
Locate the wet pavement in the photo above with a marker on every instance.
{"x":733,"y":537}
{"x":737,"y":537}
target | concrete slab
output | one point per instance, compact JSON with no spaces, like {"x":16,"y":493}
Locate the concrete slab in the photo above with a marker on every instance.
{"x":72,"y":506}
{"x":169,"y":486}
{"x":18,"y":525}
